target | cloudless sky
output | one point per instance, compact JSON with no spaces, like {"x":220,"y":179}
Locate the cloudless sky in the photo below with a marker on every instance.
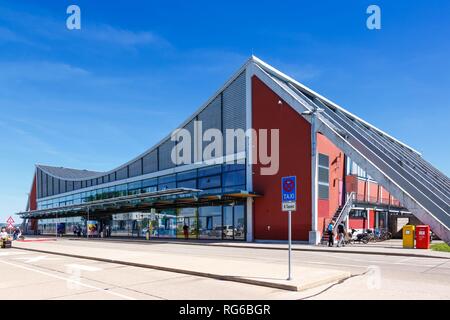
{"x":97,"y":97}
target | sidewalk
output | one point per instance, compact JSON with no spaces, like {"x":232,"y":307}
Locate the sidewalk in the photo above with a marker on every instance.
{"x":391,"y":247}
{"x":262,"y":273}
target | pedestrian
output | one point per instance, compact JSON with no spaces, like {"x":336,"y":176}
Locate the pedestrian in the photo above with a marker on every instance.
{"x":341,"y":232}
{"x":330,"y":233}
{"x":186,"y":231}
{"x":4,"y":234}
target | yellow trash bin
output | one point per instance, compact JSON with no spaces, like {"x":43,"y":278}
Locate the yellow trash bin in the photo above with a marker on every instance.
{"x":408,"y":237}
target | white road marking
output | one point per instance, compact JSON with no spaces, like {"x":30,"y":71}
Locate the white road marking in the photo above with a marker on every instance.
{"x":36,"y":259}
{"x":83,"y":267}
{"x":68,"y":280}
{"x":404,"y":260}
{"x":13,"y":253}
{"x":336,"y":264}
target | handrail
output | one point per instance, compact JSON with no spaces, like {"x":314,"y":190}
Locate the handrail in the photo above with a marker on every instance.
{"x":345,"y":209}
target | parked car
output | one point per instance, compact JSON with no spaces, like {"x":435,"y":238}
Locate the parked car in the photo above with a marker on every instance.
{"x":228,"y":231}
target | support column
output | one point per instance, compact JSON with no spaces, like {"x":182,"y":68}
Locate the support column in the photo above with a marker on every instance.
{"x":314,"y":234}
{"x":368,"y":218}
{"x":249,"y":152}
{"x":249,"y":226}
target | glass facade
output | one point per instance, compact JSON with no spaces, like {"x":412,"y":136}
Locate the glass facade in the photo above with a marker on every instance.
{"x":212,"y":222}
{"x":209,"y":222}
{"x":65,"y":225}
{"x":212,"y":180}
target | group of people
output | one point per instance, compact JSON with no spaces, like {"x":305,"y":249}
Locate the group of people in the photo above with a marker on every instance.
{"x":77,"y":231}
{"x":340,"y":234}
{"x":17,"y":234}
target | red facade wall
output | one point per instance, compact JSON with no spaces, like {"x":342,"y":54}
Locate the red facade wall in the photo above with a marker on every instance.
{"x":371,"y":219}
{"x":377,"y":193}
{"x":33,"y":203}
{"x":357,"y":223}
{"x":295,"y":159}
{"x":327,"y":208}
{"x":32,"y":198}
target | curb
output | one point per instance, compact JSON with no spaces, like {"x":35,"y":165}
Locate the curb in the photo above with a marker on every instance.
{"x":288,"y":287}
{"x":399,"y":254}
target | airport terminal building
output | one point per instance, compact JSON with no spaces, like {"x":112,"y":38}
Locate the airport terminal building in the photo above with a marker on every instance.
{"x":346,"y":169}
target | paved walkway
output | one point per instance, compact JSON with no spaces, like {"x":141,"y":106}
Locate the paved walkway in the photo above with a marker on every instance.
{"x":391,"y":247}
{"x":263,"y":273}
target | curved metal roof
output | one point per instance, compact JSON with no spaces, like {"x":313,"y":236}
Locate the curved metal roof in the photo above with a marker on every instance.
{"x":69,"y":174}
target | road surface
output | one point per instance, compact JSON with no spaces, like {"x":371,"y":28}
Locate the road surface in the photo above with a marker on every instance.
{"x":32,"y":275}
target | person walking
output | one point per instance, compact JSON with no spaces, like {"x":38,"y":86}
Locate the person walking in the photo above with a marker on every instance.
{"x":330,"y":233}
{"x":186,"y":231}
{"x":341,"y":233}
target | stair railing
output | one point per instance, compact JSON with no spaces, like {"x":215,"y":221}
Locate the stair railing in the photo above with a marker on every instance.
{"x":345,"y":209}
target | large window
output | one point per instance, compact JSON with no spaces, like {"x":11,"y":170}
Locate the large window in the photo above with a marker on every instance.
{"x":234,"y":178}
{"x":233,"y":222}
{"x":323,"y":176}
{"x":167,"y":182}
{"x":209,"y":182}
{"x":187,"y":223}
{"x":210,"y":223}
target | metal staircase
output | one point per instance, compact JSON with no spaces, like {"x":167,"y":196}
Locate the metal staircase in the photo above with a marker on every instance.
{"x":345,"y":211}
{"x":340,"y":215}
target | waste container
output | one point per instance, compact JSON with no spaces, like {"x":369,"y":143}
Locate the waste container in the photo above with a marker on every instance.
{"x":408,"y":236}
{"x":422,"y":237}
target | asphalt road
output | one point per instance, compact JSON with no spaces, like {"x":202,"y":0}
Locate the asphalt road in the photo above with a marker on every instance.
{"x":31,"y":275}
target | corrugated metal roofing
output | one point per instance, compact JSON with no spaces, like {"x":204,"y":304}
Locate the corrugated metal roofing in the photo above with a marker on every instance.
{"x":69,"y":174}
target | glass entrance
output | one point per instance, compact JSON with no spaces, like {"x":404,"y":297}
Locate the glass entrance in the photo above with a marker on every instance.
{"x":187,"y":223}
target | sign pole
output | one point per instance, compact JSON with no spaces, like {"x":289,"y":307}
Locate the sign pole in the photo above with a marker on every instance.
{"x":289,"y":204}
{"x":290,"y":243}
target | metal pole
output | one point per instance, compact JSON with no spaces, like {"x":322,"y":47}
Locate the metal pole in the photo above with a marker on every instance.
{"x":56,"y":225}
{"x":290,"y":243}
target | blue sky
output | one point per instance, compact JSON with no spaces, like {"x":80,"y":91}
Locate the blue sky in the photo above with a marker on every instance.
{"x":94,"y":98}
